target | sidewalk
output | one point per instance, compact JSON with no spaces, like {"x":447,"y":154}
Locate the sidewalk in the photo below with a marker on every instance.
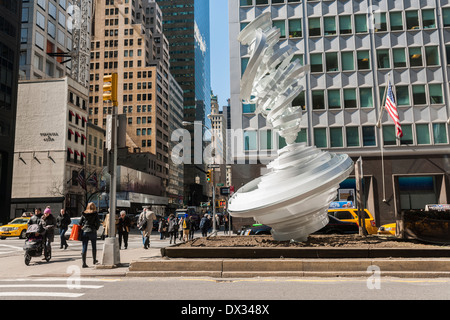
{"x":65,"y":263}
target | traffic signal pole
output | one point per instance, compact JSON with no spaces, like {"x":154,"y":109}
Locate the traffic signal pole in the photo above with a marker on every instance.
{"x":111,"y":250}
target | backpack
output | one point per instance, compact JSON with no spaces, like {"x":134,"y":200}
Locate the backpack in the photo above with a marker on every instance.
{"x":142,"y":222}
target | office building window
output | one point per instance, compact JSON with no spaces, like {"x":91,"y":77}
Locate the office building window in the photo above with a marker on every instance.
{"x":402,"y":95}
{"x":389,"y":138}
{"x":363,"y":58}
{"x":419,"y":96}
{"x":440,"y":133}
{"x":347,"y":60}
{"x":399,"y":58}
{"x":368,"y":136}
{"x":314,"y":27}
{"x":436,"y":94}
{"x":365,"y":96}
{"x":345,"y":24}
{"x":412,"y":20}
{"x":250,"y":140}
{"x":383,"y":59}
{"x":360,"y":23}
{"x":445,"y":16}
{"x":380,"y":22}
{"x":295,"y":28}
{"x":316,"y":62}
{"x":334,"y":99}
{"x":432,"y":56}
{"x":336,"y":139}
{"x":332,"y":61}
{"x":396,"y":19}
{"x":415,"y":57}
{"x":281,"y":24}
{"x":407,"y":134}
{"x":423,"y":134}
{"x":352,"y":134}
{"x":350,"y":98}
{"x":318,"y":99}
{"x":320,"y":137}
{"x":428,"y":19}
{"x":329,"y":26}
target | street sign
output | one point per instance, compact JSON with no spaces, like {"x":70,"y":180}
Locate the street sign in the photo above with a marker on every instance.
{"x":108,"y":132}
{"x":224,"y":191}
{"x":219,"y":185}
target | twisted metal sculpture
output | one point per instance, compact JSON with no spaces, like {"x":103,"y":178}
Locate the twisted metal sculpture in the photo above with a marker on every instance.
{"x":293,"y":198}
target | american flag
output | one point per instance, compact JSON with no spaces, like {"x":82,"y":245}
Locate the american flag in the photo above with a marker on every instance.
{"x":81,"y":179}
{"x":392,"y":110}
{"x":93,"y":179}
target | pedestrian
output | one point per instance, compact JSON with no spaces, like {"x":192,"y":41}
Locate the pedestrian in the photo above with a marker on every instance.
{"x":89,"y":223}
{"x":225,"y":223}
{"x":146,"y":217}
{"x":180,"y":227}
{"x":48,"y":223}
{"x":162,"y":228}
{"x":192,"y":228}
{"x":186,"y":227}
{"x":205,"y":224}
{"x":62,"y":222}
{"x":173,"y":228}
{"x":123,"y":228}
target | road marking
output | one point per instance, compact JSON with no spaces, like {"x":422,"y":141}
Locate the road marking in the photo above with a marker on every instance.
{"x":48,"y":286}
{"x":41,"y":294}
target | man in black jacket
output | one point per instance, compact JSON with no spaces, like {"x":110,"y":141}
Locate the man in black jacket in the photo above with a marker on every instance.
{"x":62,"y":222}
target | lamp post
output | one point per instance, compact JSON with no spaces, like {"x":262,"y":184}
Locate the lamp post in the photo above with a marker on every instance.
{"x":111,"y":252}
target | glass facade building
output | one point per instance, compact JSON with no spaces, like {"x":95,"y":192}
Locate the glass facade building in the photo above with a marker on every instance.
{"x":354,"y":48}
{"x":186,"y":26}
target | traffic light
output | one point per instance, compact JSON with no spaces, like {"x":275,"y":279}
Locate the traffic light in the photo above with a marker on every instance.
{"x":110,"y":88}
{"x":208,"y":176}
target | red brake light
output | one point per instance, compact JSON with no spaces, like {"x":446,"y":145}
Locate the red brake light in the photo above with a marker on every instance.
{"x":373,"y":223}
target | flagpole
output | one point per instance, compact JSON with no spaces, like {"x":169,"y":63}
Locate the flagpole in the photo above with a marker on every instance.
{"x":383,"y":106}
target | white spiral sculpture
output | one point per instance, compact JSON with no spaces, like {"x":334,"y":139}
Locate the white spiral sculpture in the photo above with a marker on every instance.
{"x":293,"y":198}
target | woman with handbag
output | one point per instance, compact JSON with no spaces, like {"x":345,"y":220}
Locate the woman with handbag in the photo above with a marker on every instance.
{"x":89,"y":222}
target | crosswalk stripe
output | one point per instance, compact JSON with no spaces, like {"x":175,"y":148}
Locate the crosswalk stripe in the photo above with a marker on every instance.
{"x":81,"y":286}
{"x":41,"y":294}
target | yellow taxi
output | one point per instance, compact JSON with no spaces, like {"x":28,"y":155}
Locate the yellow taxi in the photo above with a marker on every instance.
{"x":351,"y":215}
{"x":16,"y":228}
{"x":388,"y":229}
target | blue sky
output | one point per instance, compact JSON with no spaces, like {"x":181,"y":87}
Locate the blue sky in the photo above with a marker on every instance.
{"x":220,"y":52}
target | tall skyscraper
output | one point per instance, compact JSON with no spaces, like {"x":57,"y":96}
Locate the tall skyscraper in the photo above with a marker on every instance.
{"x":10,"y":12}
{"x":186,"y":26}
{"x":128,"y":40}
{"x":354,"y":48}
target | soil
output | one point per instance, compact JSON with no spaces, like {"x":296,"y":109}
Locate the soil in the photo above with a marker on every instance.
{"x":353,"y":241}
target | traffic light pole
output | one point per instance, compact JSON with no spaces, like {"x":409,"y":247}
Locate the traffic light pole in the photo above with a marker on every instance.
{"x":111,"y":250}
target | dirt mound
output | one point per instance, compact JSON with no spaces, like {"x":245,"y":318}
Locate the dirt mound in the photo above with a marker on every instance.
{"x":353,"y":241}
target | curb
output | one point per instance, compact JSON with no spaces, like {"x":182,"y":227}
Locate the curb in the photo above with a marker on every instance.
{"x":246,"y":268}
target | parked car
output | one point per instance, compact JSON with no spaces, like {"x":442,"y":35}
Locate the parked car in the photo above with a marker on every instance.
{"x":100,"y":231}
{"x":388,"y":229}
{"x":256,"y":229}
{"x":334,"y":226}
{"x":351,"y":215}
{"x":16,"y":228}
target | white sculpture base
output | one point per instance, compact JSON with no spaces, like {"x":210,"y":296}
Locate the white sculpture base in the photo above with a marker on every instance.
{"x":293,"y":198}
